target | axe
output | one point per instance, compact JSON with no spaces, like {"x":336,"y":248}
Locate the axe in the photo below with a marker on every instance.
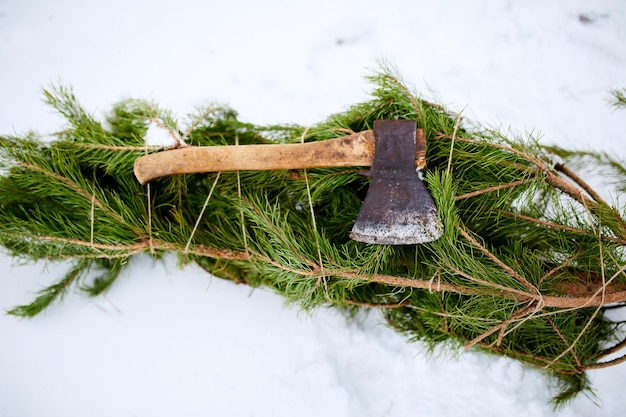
{"x":397,"y":210}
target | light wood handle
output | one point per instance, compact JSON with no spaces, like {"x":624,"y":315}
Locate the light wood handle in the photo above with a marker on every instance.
{"x":353,"y":150}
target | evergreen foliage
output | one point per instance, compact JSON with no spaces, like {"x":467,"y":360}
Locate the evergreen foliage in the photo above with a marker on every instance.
{"x":619,"y":97}
{"x":530,"y":257}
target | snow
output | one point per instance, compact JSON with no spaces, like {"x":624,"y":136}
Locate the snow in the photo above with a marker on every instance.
{"x":158,"y":135}
{"x":168,"y":342}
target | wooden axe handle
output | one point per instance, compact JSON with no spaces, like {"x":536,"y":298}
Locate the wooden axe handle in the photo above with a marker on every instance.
{"x":353,"y":150}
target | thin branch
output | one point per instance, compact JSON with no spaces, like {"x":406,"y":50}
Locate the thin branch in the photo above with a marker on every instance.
{"x":616,"y":347}
{"x":508,"y":292}
{"x":347,"y":131}
{"x":559,"y":226}
{"x":494,"y":188}
{"x":558,"y":268}
{"x":409,"y":94}
{"x":197,"y":121}
{"x":374,"y":305}
{"x":498,"y":262}
{"x":558,"y":332}
{"x":500,"y":327}
{"x":134,"y":248}
{"x":79,"y":190}
{"x":115,"y":148}
{"x":578,"y":180}
{"x":551,"y":178}
{"x":606,"y":364}
{"x":174,"y":134}
{"x":78,"y":242}
{"x":268,"y":223}
{"x":565,"y":301}
{"x":528,"y":313}
{"x":536,"y":359}
{"x":446,"y":327}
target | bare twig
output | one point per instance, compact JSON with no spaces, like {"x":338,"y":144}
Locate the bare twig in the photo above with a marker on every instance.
{"x":578,"y":180}
{"x":606,"y":364}
{"x":616,"y":347}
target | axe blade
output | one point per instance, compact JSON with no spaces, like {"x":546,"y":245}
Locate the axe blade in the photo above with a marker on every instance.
{"x":398,"y":209}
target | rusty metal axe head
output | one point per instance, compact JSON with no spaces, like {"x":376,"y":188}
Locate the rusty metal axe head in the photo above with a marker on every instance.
{"x":398,"y":209}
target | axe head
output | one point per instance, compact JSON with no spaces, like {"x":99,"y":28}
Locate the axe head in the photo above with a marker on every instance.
{"x":398,"y":209}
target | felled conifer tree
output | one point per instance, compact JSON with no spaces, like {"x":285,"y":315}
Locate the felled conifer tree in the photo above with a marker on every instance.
{"x":530,"y":258}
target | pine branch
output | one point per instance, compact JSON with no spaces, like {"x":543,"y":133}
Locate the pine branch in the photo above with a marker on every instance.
{"x":50,"y":294}
{"x":530,"y":255}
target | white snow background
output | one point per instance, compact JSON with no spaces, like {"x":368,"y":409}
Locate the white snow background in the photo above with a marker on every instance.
{"x":166,"y":342}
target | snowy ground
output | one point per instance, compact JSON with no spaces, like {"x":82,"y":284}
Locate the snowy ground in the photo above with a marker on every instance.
{"x":165,"y":342}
